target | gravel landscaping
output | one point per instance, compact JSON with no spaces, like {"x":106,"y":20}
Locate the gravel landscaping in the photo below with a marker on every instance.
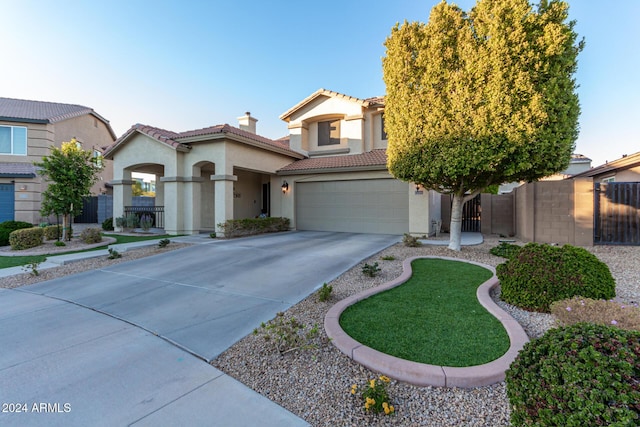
{"x":315,"y":383}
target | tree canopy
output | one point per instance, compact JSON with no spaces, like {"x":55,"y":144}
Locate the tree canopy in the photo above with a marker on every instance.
{"x":70,"y":172}
{"x":481,"y":98}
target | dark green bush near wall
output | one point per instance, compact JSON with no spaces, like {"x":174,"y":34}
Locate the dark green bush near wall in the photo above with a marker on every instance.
{"x":26,"y":238}
{"x":8,"y":226}
{"x":251,"y":226}
{"x":539,"y":274}
{"x":107,"y":224}
{"x":581,"y":375}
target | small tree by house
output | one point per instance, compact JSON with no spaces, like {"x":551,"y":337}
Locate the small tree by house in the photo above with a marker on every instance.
{"x":70,"y":172}
{"x":481,"y":98}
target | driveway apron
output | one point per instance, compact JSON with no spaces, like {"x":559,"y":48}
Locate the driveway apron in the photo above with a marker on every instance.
{"x":86,"y":346}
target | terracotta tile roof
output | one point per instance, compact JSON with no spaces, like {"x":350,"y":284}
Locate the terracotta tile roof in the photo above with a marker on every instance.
{"x":25,"y":111}
{"x":377,"y":100}
{"x":375,"y":159}
{"x":17,"y":170}
{"x":227,"y":129}
{"x":183,"y":140}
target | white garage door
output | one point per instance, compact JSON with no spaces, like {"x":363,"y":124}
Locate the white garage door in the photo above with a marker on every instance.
{"x":357,"y":206}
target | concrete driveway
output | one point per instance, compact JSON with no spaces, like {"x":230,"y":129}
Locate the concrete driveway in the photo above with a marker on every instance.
{"x":107,"y":347}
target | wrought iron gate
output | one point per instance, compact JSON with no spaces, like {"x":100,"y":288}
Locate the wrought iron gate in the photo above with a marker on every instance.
{"x":471,"y":213}
{"x":616,"y":213}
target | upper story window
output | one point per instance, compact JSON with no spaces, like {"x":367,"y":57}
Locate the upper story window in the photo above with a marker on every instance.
{"x":97,"y":155}
{"x":13,"y":140}
{"x":383,"y":132}
{"x":609,"y":179}
{"x":329,"y":133}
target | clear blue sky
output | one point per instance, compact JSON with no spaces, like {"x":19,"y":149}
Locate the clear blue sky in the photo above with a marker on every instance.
{"x":184,"y":65}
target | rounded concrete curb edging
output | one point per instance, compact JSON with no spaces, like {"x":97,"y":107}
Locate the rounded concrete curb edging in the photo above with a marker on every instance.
{"x":422,"y":374}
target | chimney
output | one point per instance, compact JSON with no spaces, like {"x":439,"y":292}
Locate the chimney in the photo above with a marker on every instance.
{"x":247,"y":122}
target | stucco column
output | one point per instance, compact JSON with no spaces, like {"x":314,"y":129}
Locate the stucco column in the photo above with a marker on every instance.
{"x":419,"y":215}
{"x":121,"y":197}
{"x":173,"y":205}
{"x":223,"y":199}
{"x":192,"y":205}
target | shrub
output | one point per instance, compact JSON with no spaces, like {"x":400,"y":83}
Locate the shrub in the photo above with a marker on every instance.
{"x":52,"y":232}
{"x":388,"y":258}
{"x":146,"y":221}
{"x":375,"y":395}
{"x":580,"y":375}
{"x":91,"y":235}
{"x":601,"y":312}
{"x":324,"y":293}
{"x":252,"y":226}
{"x":32,"y":268}
{"x":107,"y":224}
{"x":121,"y":222}
{"x":8,"y":226}
{"x":60,"y":243}
{"x":288,"y":334}
{"x":411,"y":241}
{"x":113,"y":254}
{"x":163,"y":243}
{"x":540,"y":274}
{"x":131,"y":220}
{"x":505,"y":250}
{"x":371,"y":270}
{"x":26,"y":238}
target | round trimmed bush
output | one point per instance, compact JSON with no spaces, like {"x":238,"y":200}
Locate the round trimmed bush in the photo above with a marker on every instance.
{"x":580,"y":375}
{"x":540,"y":274}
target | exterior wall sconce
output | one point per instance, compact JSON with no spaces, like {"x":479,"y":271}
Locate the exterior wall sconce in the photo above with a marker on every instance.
{"x":23,"y":188}
{"x":285,"y":187}
{"x":419,"y":189}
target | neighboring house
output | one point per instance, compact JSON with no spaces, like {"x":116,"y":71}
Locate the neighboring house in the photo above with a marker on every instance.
{"x":328,"y":174}
{"x":27,"y":130}
{"x":624,"y":169}
{"x":578,"y":164}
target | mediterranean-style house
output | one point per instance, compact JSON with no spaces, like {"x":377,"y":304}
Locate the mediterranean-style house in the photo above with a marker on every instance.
{"x":27,"y":131}
{"x":328,"y":174}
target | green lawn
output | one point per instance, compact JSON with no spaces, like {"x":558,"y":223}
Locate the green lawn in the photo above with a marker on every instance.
{"x":433,"y":318}
{"x":15,"y":261}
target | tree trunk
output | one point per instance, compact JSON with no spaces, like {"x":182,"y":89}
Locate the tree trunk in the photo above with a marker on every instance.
{"x":455,"y":227}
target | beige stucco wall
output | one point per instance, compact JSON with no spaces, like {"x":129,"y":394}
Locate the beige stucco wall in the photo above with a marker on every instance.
{"x":360,"y":128}
{"x":40,"y":137}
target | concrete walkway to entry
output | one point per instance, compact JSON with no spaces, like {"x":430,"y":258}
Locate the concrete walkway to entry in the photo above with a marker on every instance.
{"x":125,"y":345}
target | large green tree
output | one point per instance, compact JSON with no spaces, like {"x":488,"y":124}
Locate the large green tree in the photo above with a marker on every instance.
{"x":481,"y":98}
{"x":70,"y":172}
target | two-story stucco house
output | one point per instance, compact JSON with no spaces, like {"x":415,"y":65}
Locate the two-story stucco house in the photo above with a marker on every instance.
{"x":27,"y":131}
{"x":328,"y":174}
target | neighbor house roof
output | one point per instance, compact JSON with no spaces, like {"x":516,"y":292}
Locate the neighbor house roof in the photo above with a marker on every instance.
{"x":182,"y":141}
{"x":17,"y":170}
{"x":371,"y":160}
{"x":286,"y":116}
{"x":622,"y":163}
{"x":25,"y":111}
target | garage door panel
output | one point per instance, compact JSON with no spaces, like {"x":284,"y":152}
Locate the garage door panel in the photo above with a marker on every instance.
{"x":365,"y":206}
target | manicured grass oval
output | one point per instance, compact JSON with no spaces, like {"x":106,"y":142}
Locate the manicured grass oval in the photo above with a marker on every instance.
{"x":433,"y":318}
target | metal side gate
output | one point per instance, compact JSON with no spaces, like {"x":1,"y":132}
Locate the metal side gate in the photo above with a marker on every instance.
{"x":616,"y":213}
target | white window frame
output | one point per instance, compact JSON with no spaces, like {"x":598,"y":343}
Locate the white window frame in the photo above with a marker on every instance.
{"x":26,"y":139}
{"x":609,"y":179}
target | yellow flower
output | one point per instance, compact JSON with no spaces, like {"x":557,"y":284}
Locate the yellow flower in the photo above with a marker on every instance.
{"x":372,"y":383}
{"x":385,"y":378}
{"x":386,"y":408}
{"x":354,"y":388}
{"x":391,"y":408}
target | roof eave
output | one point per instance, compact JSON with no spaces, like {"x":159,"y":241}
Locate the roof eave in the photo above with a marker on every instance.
{"x":239,"y":138}
{"x":332,"y":170}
